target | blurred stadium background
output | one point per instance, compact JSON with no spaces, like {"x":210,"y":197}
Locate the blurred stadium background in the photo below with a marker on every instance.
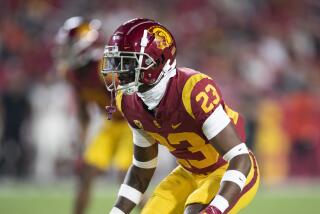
{"x":264,"y":54}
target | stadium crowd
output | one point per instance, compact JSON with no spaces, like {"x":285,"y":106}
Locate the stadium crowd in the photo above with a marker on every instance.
{"x":265,"y":54}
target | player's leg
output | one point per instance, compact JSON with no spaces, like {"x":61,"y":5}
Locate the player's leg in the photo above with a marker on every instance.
{"x":86,"y":176}
{"x":97,"y":157}
{"x":170,"y":195}
{"x":209,"y":187}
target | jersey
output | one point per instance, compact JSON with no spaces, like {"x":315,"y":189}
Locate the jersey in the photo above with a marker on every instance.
{"x":112,"y":143}
{"x":88,"y":85}
{"x":188,"y":116}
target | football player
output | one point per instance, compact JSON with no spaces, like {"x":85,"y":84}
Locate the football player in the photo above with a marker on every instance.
{"x":183,"y":110}
{"x":78,"y":55}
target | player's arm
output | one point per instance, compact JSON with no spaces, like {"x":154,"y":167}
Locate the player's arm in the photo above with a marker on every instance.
{"x":139,"y":174}
{"x":206,"y":107}
{"x":228,"y":144}
{"x":224,"y":138}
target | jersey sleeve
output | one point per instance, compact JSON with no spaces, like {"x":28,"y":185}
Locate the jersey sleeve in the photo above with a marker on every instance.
{"x":203,"y":102}
{"x":140,"y":138}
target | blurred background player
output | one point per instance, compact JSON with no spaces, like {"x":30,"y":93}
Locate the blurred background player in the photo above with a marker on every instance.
{"x":77,"y":59}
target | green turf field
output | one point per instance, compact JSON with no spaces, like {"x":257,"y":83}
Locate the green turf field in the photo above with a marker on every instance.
{"x":57,"y":199}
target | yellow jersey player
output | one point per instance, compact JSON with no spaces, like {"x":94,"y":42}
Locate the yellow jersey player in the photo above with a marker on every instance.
{"x":183,"y":110}
{"x":78,"y":55}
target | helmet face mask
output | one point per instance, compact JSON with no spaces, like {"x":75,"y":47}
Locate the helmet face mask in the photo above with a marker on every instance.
{"x":125,"y":67}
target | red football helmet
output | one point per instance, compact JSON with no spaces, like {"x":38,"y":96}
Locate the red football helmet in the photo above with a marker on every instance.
{"x":77,"y":43}
{"x":139,"y":52}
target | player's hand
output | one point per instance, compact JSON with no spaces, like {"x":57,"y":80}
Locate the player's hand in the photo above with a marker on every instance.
{"x":210,"y":210}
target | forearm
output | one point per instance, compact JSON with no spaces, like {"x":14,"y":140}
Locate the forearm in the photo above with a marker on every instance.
{"x":237,"y":155}
{"x":138,"y":179}
{"x":228,"y":189}
{"x":232,"y":183}
{"x":139,"y":175}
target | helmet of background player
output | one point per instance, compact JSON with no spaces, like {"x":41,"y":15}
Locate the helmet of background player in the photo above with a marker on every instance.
{"x":140,"y":52}
{"x":78,"y":42}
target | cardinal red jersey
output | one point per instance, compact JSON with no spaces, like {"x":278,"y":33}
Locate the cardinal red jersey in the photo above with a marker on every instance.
{"x":183,"y":117}
{"x":88,"y":84}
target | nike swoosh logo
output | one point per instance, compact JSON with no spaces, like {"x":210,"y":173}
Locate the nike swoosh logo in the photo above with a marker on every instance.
{"x":175,"y":126}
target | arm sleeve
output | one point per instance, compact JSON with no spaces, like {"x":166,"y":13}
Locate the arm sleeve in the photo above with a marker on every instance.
{"x":215,"y":123}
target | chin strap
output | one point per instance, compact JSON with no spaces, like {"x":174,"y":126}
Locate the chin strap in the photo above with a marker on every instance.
{"x":111,"y":108}
{"x":112,"y":89}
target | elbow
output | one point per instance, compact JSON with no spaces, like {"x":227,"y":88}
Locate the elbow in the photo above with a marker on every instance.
{"x":241,"y":163}
{"x":247,"y":164}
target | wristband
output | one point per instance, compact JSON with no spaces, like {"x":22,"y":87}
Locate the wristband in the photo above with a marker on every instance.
{"x":130,"y":193}
{"x":220,"y":203}
{"x":236,"y":177}
{"x":235,"y":151}
{"x":116,"y":210}
{"x":146,"y":164}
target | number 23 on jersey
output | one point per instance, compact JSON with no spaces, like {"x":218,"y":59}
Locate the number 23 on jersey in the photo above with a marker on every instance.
{"x":209,"y":93}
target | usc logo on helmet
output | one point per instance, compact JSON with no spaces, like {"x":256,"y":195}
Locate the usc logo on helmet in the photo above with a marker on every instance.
{"x":162,"y":36}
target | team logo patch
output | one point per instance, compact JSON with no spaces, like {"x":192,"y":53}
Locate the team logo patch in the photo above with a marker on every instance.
{"x":138,"y":124}
{"x":175,"y":126}
{"x":162,"y":37}
{"x":156,"y":124}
